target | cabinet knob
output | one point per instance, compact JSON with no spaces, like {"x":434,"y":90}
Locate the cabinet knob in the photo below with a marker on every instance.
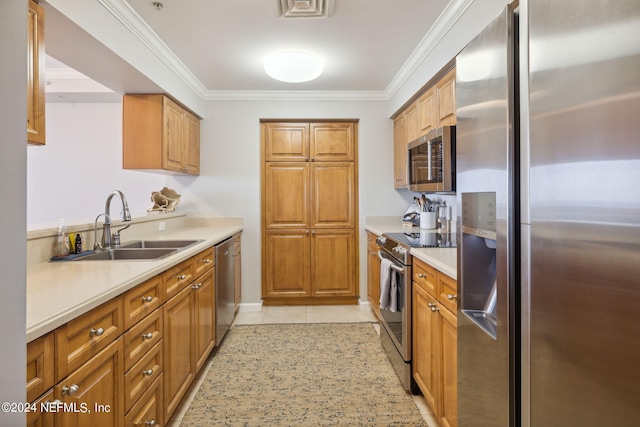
{"x":196,"y":286}
{"x":430,"y":304}
{"x":147,"y":372}
{"x":181,"y":276}
{"x":434,"y":308}
{"x":150,"y":423}
{"x":147,"y":299}
{"x":96,"y":332}
{"x":206,"y":260}
{"x":422,"y":275}
{"x":451,"y":297}
{"x":147,"y":336}
{"x":70,"y":391}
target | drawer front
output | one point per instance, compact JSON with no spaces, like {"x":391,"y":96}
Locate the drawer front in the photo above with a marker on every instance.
{"x":425,"y":276}
{"x":204,"y":261}
{"x":40,"y":366}
{"x":371,"y":242}
{"x":83,"y":337}
{"x":448,"y":292}
{"x":142,"y":337}
{"x":142,"y":300}
{"x":141,"y":375}
{"x":177,"y":278}
{"x":149,"y":409}
{"x":38,"y":418}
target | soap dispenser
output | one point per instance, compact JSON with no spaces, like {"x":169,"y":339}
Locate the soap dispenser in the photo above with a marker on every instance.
{"x":63,"y":240}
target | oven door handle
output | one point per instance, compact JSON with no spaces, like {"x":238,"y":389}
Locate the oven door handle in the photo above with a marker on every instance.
{"x":393,"y":266}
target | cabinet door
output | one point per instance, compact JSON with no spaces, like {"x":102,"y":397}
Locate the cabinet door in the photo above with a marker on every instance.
{"x":412,"y":127}
{"x":427,"y":105}
{"x":333,"y":263}
{"x":237,"y":273}
{"x":332,"y":142}
{"x":173,"y":131}
{"x":35,"y":75}
{"x":448,"y":412}
{"x":96,"y":388}
{"x":286,"y":195}
{"x":149,"y":410}
{"x":333,"y":192}
{"x":191,"y":142}
{"x":400,"y":154}
{"x":446,"y":88}
{"x":205,"y":322}
{"x":286,"y":263}
{"x":179,"y":348}
{"x":373,"y":273}
{"x":286,"y":142}
{"x":40,"y":418}
{"x":425,"y":343}
{"x":40,"y":366}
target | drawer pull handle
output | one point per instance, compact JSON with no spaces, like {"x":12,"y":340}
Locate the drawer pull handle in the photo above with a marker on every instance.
{"x":451,"y":297}
{"x":147,"y":299}
{"x":147,"y":372}
{"x":147,"y":336}
{"x":206,"y":260}
{"x":150,"y":423}
{"x":434,"y":308}
{"x":70,"y":390}
{"x":96,"y":332}
{"x":421,"y":275}
{"x":181,"y":276}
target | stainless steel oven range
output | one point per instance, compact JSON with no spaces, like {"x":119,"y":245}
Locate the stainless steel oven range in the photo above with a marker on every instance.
{"x":395,"y":307}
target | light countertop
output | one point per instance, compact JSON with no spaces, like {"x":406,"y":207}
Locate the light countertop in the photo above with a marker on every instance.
{"x":443,"y":259}
{"x":58,"y":292}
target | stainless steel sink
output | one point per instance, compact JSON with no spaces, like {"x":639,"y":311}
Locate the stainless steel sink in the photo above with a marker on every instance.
{"x":130,"y":254}
{"x":150,"y":244}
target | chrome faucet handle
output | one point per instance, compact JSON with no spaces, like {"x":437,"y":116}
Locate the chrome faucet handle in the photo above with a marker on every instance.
{"x":96,"y":245}
{"x":115,"y":237}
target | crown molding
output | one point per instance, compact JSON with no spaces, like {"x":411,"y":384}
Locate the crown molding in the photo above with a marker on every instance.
{"x":125,"y":14}
{"x":443,"y":24}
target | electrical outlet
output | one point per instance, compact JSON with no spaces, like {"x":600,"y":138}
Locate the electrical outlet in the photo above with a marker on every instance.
{"x":161,"y":226}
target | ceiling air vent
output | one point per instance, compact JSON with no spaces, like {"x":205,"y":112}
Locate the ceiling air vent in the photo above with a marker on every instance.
{"x":306,"y":8}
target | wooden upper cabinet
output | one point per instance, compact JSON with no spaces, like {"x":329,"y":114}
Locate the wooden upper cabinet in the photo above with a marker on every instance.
{"x":412,"y":130}
{"x":286,"y":142}
{"x":35,"y":75}
{"x":158,"y":133}
{"x":427,"y":111}
{"x":332,"y":142}
{"x":400,"y":154}
{"x":446,"y":88}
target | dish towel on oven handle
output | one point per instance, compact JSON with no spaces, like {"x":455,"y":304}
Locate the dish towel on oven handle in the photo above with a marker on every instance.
{"x":388,"y":287}
{"x":385,"y":283}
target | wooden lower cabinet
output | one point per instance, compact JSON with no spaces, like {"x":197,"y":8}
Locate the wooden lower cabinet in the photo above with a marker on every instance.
{"x":373,"y":273}
{"x":189,"y":337}
{"x":38,"y":417}
{"x":149,"y":410}
{"x":179,"y":344}
{"x":435,"y":349}
{"x":92,"y":394}
{"x":312,"y":264}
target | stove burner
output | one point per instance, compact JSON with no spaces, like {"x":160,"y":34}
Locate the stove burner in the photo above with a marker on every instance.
{"x":425,"y":239}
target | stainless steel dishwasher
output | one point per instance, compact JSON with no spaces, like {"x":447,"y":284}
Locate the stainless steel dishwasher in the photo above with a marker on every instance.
{"x":225,"y":308}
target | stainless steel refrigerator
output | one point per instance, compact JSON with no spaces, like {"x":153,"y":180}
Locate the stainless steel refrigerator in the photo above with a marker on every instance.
{"x":548,"y":178}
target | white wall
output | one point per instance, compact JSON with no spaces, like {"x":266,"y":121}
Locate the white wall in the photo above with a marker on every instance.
{"x":13,"y":111}
{"x":71,"y":176}
{"x":229,"y":184}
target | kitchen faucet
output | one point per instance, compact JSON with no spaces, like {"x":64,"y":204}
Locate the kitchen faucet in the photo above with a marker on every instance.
{"x":108,"y":240}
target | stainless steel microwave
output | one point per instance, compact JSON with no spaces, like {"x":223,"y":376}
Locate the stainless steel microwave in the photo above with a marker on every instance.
{"x":432,"y":163}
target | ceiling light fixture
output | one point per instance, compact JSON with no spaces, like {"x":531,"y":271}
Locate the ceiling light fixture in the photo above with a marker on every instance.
{"x":293,"y":66}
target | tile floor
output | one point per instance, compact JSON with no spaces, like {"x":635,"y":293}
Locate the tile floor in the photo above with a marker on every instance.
{"x":298,"y":314}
